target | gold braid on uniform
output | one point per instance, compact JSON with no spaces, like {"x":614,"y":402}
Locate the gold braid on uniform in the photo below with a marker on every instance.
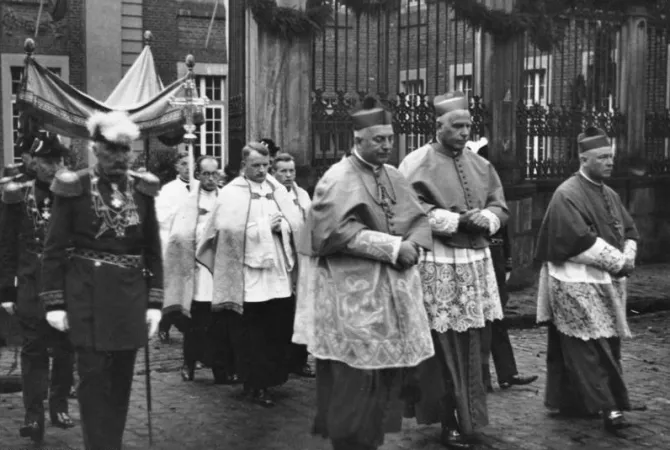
{"x":40,"y":216}
{"x":121,"y":214}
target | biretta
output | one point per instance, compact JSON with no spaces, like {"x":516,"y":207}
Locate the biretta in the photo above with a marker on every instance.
{"x":48,"y":145}
{"x":593,"y":138}
{"x":370,"y":114}
{"x":451,"y":101}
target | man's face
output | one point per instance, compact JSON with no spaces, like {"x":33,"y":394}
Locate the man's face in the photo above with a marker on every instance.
{"x":256,"y":166}
{"x":181,"y":167}
{"x":285,"y":173}
{"x":112,"y":159}
{"x":598,"y":163}
{"x":453,"y":129}
{"x":46,"y":167}
{"x":374,"y":144}
{"x":209,"y":174}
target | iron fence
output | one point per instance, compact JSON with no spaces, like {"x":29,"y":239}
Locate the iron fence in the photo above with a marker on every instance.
{"x":404,"y":57}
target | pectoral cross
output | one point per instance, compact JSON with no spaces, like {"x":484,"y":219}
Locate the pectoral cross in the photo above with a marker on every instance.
{"x":190,"y":102}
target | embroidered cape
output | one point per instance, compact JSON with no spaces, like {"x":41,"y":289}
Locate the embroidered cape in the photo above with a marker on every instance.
{"x":222,"y":250}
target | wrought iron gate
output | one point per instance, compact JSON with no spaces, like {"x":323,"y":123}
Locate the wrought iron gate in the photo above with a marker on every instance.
{"x":404,"y":57}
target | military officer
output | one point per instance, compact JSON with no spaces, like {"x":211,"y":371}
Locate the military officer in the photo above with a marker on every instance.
{"x":102,"y":274}
{"x":26,"y":213}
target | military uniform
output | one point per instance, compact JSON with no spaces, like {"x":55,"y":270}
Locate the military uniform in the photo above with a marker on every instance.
{"x":103,"y":265}
{"x":26,"y":212}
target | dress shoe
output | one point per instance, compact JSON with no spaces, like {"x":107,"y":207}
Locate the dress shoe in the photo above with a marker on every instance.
{"x":304,"y":371}
{"x":32,"y":430}
{"x":517,"y":380}
{"x":61,"y":420}
{"x":262,"y":397}
{"x":187,"y":372}
{"x":614,"y":421}
{"x":454,"y":440}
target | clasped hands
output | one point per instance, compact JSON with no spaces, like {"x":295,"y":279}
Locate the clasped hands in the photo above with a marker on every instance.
{"x":627,"y":269}
{"x":408,"y":255}
{"x":474,"y":222}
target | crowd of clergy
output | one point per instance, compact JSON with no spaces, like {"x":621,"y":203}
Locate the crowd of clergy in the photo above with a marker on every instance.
{"x":393,"y":279}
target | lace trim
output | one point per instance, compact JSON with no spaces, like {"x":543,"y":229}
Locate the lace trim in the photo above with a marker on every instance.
{"x":460,"y":296}
{"x":494,"y":221}
{"x":443,"y":222}
{"x":375,"y":245}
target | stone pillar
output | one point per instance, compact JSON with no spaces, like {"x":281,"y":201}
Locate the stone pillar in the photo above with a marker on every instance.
{"x":103,"y":68}
{"x":633,"y":78}
{"x":503,"y":63}
{"x":279,"y":88}
{"x":502,"y":72}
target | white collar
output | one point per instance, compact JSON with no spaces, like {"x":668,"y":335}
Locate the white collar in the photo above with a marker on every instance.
{"x":589,"y":179}
{"x":372,"y":166}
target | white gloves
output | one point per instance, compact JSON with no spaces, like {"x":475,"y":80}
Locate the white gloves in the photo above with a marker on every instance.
{"x":58,"y":320}
{"x":8,"y":306}
{"x":153,"y":319}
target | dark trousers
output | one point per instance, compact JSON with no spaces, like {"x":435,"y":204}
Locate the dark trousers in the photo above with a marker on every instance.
{"x":105,"y":379}
{"x":207,"y":338}
{"x":495,"y":339}
{"x":262,"y":343}
{"x":39,"y":340}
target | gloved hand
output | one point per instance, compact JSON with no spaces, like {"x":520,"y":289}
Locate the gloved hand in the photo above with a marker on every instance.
{"x":9,"y":307}
{"x":58,"y":320}
{"x":153,"y":319}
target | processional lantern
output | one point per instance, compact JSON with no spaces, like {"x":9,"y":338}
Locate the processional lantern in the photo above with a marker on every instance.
{"x":190,"y":103}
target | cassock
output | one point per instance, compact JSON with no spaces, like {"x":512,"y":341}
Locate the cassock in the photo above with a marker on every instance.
{"x":585,"y":233}
{"x":358,"y":315}
{"x":459,"y":283}
{"x":252,"y":272}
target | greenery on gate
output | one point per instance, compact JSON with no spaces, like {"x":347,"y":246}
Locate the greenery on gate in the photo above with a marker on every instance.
{"x":543,"y":20}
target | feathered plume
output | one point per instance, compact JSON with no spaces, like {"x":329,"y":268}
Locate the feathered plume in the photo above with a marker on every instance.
{"x":114,"y":127}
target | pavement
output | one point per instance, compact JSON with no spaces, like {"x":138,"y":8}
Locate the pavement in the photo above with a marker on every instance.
{"x":201,"y":415}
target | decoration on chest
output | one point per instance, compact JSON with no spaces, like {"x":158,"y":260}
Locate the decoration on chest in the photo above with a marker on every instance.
{"x":39,"y":213}
{"x":119,"y":212}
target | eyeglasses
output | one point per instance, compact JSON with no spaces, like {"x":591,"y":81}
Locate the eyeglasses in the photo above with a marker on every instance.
{"x":209,"y":175}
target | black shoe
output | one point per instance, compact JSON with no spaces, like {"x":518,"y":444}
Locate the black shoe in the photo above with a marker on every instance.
{"x":61,"y":420}
{"x":262,"y":397}
{"x":304,"y":371}
{"x":32,"y":430}
{"x":517,"y":380}
{"x":454,"y":440}
{"x":614,"y":421}
{"x":187,"y":372}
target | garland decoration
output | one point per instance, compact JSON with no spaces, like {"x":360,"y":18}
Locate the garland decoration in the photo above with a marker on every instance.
{"x":291,"y":23}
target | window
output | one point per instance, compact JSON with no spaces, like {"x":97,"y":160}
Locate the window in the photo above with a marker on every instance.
{"x":536,"y":92}
{"x":464,"y":84}
{"x":12,"y":71}
{"x":535,"y":86}
{"x":210,"y":134}
{"x":413,"y":84}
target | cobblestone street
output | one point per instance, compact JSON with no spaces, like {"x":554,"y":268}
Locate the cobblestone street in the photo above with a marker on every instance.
{"x":200,"y":415}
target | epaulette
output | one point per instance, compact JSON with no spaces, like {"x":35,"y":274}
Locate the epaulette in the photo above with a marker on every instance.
{"x":67,"y":183}
{"x":146,"y":182}
{"x":14,"y":192}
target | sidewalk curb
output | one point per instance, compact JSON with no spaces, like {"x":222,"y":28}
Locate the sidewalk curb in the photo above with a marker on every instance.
{"x":641,"y":306}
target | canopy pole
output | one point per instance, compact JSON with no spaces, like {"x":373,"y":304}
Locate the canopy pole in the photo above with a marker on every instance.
{"x":211,"y":23}
{"x":39,"y":17}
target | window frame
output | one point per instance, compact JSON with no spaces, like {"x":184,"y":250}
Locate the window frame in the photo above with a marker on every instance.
{"x":211,"y":70}
{"x":7,"y":61}
{"x":412,"y":141}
